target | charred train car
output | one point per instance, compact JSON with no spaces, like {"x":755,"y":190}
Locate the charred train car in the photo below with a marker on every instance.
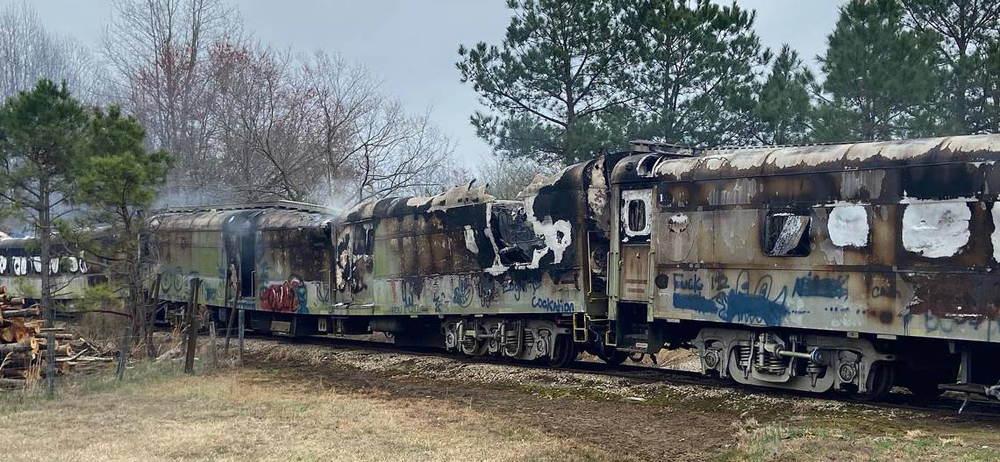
{"x":522,"y":278}
{"x":72,"y":271}
{"x":851,"y":267}
{"x":462,"y":270}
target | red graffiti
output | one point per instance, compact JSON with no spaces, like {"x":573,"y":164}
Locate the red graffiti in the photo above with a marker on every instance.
{"x":282,"y":298}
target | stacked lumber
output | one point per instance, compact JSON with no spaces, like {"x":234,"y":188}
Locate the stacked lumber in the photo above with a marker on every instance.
{"x":24,"y":342}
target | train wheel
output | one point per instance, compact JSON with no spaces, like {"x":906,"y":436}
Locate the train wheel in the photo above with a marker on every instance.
{"x":563,"y":352}
{"x":881,"y":379}
{"x":612,"y":357}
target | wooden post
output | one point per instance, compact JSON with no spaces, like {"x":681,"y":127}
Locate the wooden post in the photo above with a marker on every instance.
{"x":242,"y":326}
{"x":232,"y":318}
{"x":50,"y":359}
{"x":123,"y":352}
{"x":192,"y":325}
{"x":211,"y":336}
{"x":153,"y":303}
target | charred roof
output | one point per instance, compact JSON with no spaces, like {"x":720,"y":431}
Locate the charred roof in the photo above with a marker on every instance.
{"x":722,"y":163}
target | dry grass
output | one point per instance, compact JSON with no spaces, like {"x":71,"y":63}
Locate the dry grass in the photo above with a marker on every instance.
{"x":245,"y":415}
{"x":756,"y":442}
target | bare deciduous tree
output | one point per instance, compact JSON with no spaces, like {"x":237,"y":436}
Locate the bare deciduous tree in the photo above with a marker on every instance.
{"x":158,"y":51}
{"x":507,"y":177}
{"x":28,"y":52}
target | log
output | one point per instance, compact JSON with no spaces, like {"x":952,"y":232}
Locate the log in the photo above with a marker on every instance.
{"x":15,"y":348}
{"x":22,"y":313}
{"x":7,"y":334}
{"x":9,"y":372}
{"x":13,"y":383}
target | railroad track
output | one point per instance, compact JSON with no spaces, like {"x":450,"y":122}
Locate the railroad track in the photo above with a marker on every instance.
{"x":947,"y":406}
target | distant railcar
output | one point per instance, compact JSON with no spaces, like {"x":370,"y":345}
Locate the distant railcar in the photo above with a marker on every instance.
{"x":272,"y":260}
{"x":845,"y":266}
{"x":21,"y":270}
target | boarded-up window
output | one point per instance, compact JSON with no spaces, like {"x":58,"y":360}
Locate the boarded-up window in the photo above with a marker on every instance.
{"x":786,"y":235}
{"x":636,"y":216}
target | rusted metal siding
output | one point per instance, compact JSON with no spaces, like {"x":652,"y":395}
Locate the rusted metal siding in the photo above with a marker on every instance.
{"x":902,"y":236}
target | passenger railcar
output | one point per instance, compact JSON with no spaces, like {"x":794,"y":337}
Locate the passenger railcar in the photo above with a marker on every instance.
{"x":273,"y":260}
{"x":846,"y":266}
{"x":523,"y":278}
{"x":21,"y":270}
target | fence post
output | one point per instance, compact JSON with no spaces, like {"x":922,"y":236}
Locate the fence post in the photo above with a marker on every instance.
{"x":232,"y":318}
{"x":242,"y":326}
{"x":211,"y":337}
{"x":123,"y":351}
{"x":50,"y":360}
{"x":192,"y":317}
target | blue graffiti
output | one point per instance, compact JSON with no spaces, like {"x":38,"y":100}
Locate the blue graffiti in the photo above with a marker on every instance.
{"x":462,"y":293}
{"x":516,"y":288}
{"x":694,"y":302}
{"x":741,"y":304}
{"x":210,"y":293}
{"x":812,"y":285}
{"x":553,"y":305}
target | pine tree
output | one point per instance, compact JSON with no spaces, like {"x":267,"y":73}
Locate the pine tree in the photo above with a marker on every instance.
{"x":968,"y":29}
{"x":783,"y":111}
{"x":695,"y":70}
{"x":881,"y":78}
{"x":548,"y":84}
{"x":41,"y":131}
{"x":117,"y":181}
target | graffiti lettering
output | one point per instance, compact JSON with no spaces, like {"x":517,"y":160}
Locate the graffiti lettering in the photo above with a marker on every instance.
{"x":553,"y":305}
{"x":288,"y":297}
{"x":812,"y":285}
{"x":685,"y":282}
{"x":741,"y":304}
{"x":720,"y":282}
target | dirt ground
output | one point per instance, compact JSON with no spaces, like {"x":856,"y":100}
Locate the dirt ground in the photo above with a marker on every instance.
{"x":308,"y":402}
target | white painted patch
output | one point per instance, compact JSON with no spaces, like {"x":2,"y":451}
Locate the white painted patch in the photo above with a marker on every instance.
{"x":470,"y":239}
{"x":935,"y":229}
{"x":557,"y":236}
{"x":848,"y":226}
{"x":678,"y":223}
{"x":994,"y":238}
{"x":20,"y":265}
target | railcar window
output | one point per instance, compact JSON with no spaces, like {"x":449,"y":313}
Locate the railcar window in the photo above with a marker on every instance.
{"x":786,"y":235}
{"x":637,"y":216}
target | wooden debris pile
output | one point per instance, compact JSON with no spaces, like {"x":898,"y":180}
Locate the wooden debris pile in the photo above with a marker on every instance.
{"x":24,"y":340}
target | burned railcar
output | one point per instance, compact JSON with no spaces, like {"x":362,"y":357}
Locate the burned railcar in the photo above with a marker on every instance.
{"x":848,"y":266}
{"x":522,"y":278}
{"x":72,"y":270}
{"x":272,"y":259}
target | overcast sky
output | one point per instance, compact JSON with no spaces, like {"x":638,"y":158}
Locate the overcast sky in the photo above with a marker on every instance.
{"x":412,"y":44}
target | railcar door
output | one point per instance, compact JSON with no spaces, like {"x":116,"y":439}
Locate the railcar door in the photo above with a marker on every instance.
{"x":248,"y":262}
{"x":634,"y":232}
